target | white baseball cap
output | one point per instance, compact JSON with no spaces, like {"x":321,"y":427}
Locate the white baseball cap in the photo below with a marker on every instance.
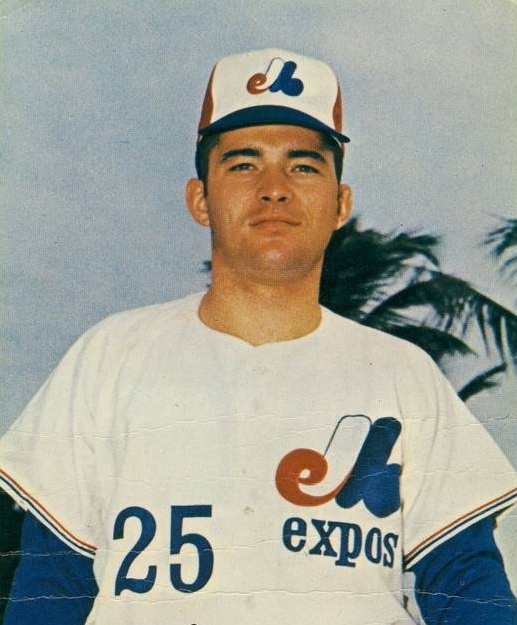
{"x":272,"y":87}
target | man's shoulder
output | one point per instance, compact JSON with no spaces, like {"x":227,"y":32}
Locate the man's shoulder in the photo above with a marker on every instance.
{"x":155,"y":313}
{"x":355,"y":337}
{"x":144,"y":323}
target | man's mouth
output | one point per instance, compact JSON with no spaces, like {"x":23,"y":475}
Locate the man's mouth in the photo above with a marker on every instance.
{"x":265,"y":220}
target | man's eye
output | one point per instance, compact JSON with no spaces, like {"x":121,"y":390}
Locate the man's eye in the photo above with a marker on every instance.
{"x":241,"y":167}
{"x":306,"y":169}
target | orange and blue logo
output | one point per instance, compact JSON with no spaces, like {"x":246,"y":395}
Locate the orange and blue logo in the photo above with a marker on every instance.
{"x":279,"y":76}
{"x":366,"y":474}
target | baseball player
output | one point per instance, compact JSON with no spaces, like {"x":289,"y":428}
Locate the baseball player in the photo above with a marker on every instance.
{"x":244,"y":456}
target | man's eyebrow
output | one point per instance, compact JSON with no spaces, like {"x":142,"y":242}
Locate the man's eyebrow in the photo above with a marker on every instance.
{"x":313,"y":154}
{"x":254,"y":152}
{"x":239,"y":152}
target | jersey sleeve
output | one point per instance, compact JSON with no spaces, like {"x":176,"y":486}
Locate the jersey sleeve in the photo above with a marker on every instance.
{"x":52,"y":584}
{"x":463,"y":581}
{"x":47,"y":456}
{"x":454,"y":474}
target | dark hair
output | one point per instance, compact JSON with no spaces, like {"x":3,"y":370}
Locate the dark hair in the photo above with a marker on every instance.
{"x":204,"y":147}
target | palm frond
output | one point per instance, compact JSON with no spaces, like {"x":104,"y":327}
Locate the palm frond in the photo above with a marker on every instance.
{"x":436,"y":343}
{"x":442,"y":295}
{"x":503,"y":238}
{"x":361,"y":267}
{"x":502,"y":242}
{"x":453,"y":305}
{"x":482,"y":382}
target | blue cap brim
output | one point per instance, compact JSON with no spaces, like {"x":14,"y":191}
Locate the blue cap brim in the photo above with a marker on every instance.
{"x":267,"y":114}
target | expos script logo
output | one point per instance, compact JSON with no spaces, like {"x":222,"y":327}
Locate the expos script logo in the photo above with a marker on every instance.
{"x":354,"y":463}
{"x":279,"y":76}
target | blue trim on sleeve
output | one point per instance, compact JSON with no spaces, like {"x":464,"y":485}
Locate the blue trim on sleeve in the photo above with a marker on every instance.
{"x":463,"y":581}
{"x":52,"y":584}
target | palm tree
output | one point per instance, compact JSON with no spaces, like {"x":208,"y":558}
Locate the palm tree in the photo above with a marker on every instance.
{"x":393,"y":282}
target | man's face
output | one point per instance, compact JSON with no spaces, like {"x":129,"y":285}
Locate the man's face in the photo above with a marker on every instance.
{"x":271,"y":200}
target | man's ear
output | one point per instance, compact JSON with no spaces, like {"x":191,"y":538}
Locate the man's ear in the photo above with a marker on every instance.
{"x":344,"y":205}
{"x":196,"y":201}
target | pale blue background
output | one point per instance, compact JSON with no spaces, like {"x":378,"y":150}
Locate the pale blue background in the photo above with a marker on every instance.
{"x":99,"y":106}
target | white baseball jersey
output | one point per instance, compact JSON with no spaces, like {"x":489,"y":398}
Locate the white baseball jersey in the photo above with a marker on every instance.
{"x":219,"y":483}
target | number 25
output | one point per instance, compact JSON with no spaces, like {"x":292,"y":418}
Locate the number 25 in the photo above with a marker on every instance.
{"x":177,"y":539}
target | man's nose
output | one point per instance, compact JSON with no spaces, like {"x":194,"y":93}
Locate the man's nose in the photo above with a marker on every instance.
{"x":274,"y":187}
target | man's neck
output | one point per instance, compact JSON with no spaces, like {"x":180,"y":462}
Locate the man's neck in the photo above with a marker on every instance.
{"x":261,"y":313}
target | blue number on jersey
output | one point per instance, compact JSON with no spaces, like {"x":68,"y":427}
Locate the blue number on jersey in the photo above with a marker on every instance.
{"x":177,"y":540}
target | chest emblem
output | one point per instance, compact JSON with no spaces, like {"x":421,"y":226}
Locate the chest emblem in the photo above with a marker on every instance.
{"x":353,"y":467}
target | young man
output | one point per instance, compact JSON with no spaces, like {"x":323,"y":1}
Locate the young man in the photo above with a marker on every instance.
{"x":244,"y":456}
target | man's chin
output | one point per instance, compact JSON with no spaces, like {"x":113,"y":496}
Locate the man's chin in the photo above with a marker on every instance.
{"x":277,"y":269}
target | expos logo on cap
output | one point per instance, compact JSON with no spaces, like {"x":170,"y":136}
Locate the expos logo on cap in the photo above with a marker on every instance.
{"x":278,"y":77}
{"x":272,"y":87}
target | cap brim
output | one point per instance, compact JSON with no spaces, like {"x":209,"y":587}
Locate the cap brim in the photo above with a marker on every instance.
{"x":266,"y":114}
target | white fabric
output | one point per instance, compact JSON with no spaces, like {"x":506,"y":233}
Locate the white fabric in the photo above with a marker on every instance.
{"x":231,"y":75}
{"x":152,"y":409}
